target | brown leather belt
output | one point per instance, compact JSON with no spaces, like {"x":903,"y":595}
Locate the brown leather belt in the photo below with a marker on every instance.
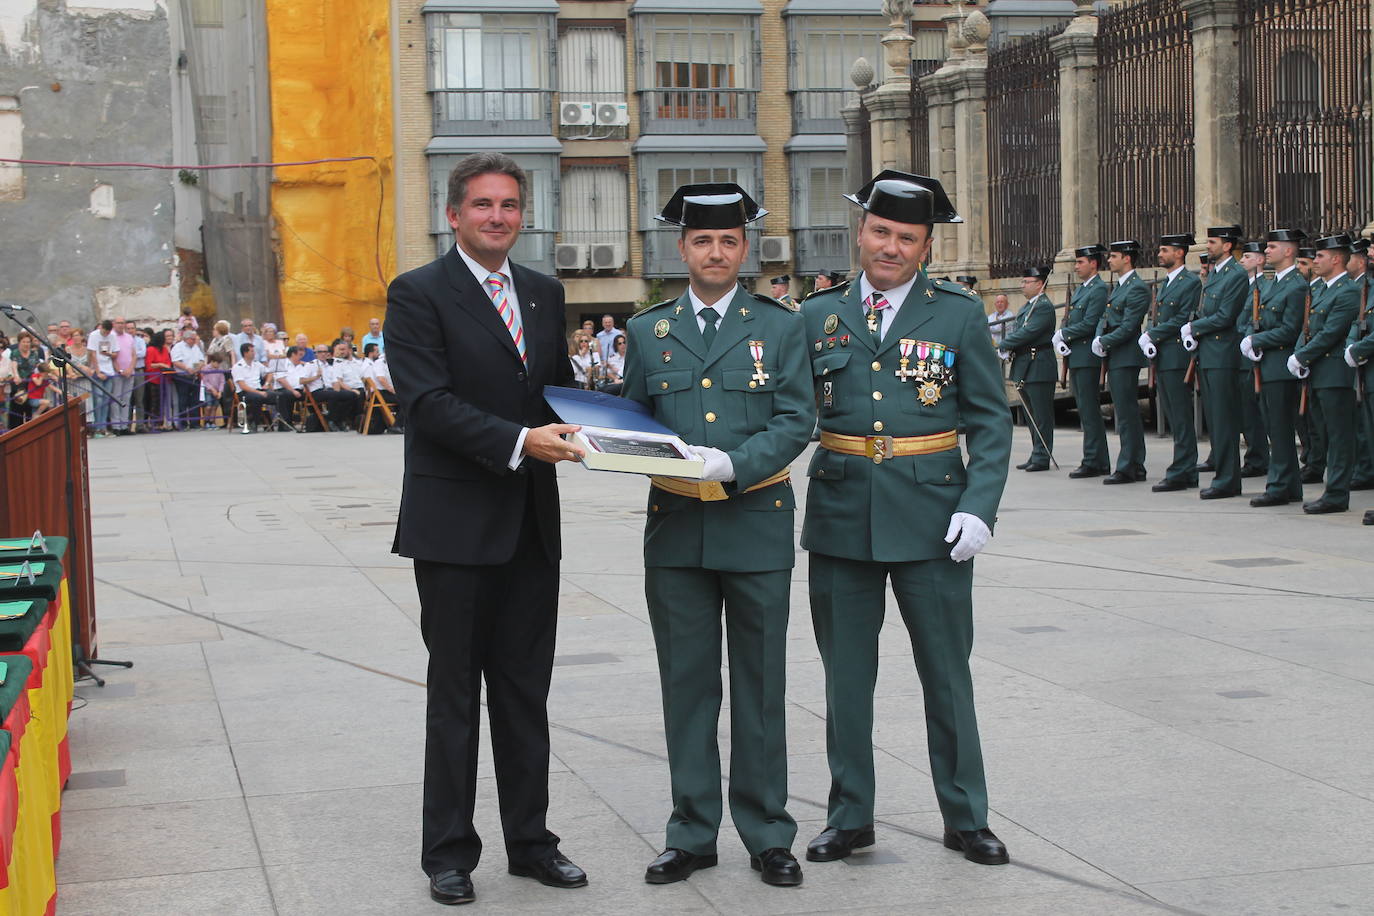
{"x":880,"y":447}
{"x":710,"y":491}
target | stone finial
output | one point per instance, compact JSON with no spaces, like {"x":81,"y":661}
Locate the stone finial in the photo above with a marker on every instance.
{"x":1085,"y":8}
{"x":899,"y":13}
{"x":861,"y":73}
{"x":975,"y":31}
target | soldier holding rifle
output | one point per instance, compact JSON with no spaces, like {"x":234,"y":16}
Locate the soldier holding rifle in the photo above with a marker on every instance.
{"x":1027,"y":345}
{"x":1254,"y":460}
{"x":1175,"y":301}
{"x":1116,"y":342}
{"x":1358,"y":354}
{"x":1083,"y":366}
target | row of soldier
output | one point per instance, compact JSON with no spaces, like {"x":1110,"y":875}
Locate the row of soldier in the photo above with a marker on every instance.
{"x":1282,"y":359}
{"x":338,"y":387}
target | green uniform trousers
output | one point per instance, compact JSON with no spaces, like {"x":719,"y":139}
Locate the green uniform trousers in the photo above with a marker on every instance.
{"x":1338,"y":417}
{"x":1220,"y":389}
{"x":1364,"y":460}
{"x":685,"y":612}
{"x":1124,"y":385}
{"x":936,"y":602}
{"x":1086,"y":397}
{"x":1281,"y":409}
{"x":1040,"y":397}
{"x":1254,"y":423}
{"x":1176,"y":400}
{"x":1312,"y":425}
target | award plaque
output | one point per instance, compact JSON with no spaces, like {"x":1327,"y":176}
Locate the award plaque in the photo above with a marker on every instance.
{"x":622,"y":435}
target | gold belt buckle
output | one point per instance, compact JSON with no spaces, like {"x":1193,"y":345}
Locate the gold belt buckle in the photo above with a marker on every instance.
{"x":878,"y":448}
{"x":710,"y":491}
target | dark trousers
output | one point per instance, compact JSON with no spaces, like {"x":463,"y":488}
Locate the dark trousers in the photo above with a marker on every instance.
{"x":1176,"y":401}
{"x":1281,"y":409}
{"x":495,"y":623}
{"x":254,"y":403}
{"x":1087,"y":398}
{"x":340,"y":406}
{"x":935,"y":598}
{"x":1220,"y":391}
{"x":1338,"y":424}
{"x":1312,"y":430}
{"x":1130,"y":430}
{"x":685,"y":611}
{"x":1254,"y":424}
{"x":1040,"y":397}
{"x":188,"y":398}
{"x":286,"y":404}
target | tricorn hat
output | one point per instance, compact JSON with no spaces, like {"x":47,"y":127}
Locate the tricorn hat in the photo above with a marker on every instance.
{"x":835,"y":275}
{"x":1285,"y":235}
{"x":1306,"y":252}
{"x":1226,"y":233}
{"x":966,"y":280}
{"x":906,"y":198}
{"x":1181,"y":240}
{"x":1039,"y":273}
{"x":1125,"y":246}
{"x":1093,"y":251}
{"x":1252,"y":247}
{"x":1337,"y":242}
{"x":717,"y":205}
{"x":1359,"y":246}
{"x":784,"y":279}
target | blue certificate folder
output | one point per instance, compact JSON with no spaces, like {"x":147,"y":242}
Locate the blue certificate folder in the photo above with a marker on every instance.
{"x":621,"y":435}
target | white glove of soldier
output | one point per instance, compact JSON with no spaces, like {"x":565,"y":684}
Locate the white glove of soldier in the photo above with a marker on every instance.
{"x":1297,"y":368}
{"x":1350,"y":359}
{"x":1247,"y":347}
{"x":718,"y":464}
{"x":1189,"y":341}
{"x":1003,"y":355}
{"x":1098,"y":349}
{"x":1147,"y":346}
{"x":1062,"y":348}
{"x":1058,"y":338}
{"x":971,"y":534}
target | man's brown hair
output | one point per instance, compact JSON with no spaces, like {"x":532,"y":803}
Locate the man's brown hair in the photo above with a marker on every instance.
{"x":483,"y":164}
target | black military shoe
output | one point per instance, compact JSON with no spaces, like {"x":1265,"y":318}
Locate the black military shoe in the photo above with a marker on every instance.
{"x":777,"y":867}
{"x":1139,"y":473}
{"x":451,"y":887}
{"x":1023,"y":465}
{"x":1369,"y":517}
{"x":1312,"y":475}
{"x":1217,"y":493}
{"x":1322,"y":507}
{"x":834,"y":843}
{"x":1037,"y":467}
{"x":1084,"y":471}
{"x":1362,"y":484}
{"x":676,"y":865}
{"x":1169,"y":486}
{"x":1264,"y":500}
{"x":1206,"y":468}
{"x":1252,"y":471}
{"x":553,"y":871}
{"x":981,"y":846}
{"x":1118,"y":477}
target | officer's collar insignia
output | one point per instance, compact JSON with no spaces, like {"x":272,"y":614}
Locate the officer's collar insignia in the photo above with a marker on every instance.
{"x":678,"y":310}
{"x":743,"y":312}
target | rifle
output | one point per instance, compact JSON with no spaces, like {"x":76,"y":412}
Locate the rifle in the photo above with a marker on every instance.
{"x":1150,"y":377}
{"x":1254,"y":329}
{"x":1361,"y":329}
{"x":1102,"y":374}
{"x":1306,"y":336}
{"x":1064,"y":323}
{"x":1190,"y":375}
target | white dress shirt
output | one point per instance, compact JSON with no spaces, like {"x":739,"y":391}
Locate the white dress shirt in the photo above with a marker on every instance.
{"x":480,"y":274}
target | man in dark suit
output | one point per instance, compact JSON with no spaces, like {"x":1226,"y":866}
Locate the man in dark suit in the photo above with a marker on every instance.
{"x":474,"y":340}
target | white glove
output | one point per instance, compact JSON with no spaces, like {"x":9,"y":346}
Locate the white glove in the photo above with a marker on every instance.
{"x":1297,"y":368}
{"x":1003,"y":355}
{"x":718,"y":464}
{"x":1350,"y":359}
{"x":971,"y":534}
{"x":1058,"y":338}
{"x":1062,"y":348}
{"x":1247,"y":348}
{"x":1098,"y":349}
{"x":1147,"y":346}
{"x":1189,"y":341}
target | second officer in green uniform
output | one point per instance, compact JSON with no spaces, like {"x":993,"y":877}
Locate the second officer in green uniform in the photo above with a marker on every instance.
{"x":1027,"y":345}
{"x":1118,"y":334}
{"x":1175,"y":300}
{"x":727,"y":371}
{"x":1073,"y":342}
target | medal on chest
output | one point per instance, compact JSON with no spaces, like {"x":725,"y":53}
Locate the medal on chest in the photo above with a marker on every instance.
{"x":934,"y":370}
{"x":905,"y":372}
{"x":756,"y":351}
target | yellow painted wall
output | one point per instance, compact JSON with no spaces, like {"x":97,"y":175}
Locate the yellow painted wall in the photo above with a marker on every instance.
{"x":330,"y":77}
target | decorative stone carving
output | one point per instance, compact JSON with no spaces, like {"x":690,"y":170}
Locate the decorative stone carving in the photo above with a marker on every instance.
{"x":861,"y":74}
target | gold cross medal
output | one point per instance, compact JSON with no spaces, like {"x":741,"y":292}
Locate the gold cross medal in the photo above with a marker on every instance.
{"x":760,"y":377}
{"x":872,"y":319}
{"x":905,"y":373}
{"x":661,"y":328}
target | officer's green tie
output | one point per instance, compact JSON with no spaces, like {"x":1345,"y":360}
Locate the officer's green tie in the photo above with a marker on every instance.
{"x":874,"y":316}
{"x":708,"y":330}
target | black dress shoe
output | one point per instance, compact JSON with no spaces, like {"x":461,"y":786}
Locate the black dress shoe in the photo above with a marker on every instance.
{"x":778,"y":867}
{"x":1206,"y":468}
{"x":981,"y":846}
{"x":1139,"y":474}
{"x":1023,"y":465}
{"x":1218,"y":493}
{"x":451,"y":887}
{"x":1037,"y":467}
{"x":1254,"y":472}
{"x":1084,"y":471}
{"x":1369,"y":517}
{"x":1312,"y":475}
{"x":552,"y":871}
{"x":1265,"y":500}
{"x":1362,"y":484}
{"x":834,"y":843}
{"x":675,"y":865}
{"x":1118,"y":477}
{"x":1322,"y":507}
{"x":1169,"y":486}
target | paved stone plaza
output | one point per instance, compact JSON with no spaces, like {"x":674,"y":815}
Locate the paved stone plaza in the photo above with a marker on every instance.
{"x":1175,"y":700}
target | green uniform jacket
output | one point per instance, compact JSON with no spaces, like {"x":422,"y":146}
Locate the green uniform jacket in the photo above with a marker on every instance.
{"x":1333,"y":310}
{"x":1361,"y":339}
{"x":1119,"y":328}
{"x":1215,"y":324}
{"x":1175,"y":304}
{"x":1085,"y":311}
{"x":1030,"y":341}
{"x":898,"y":511}
{"x":763,"y":427}
{"x":1281,"y":307}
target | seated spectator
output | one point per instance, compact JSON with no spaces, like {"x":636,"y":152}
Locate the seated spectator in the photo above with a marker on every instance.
{"x":290,"y":387}
{"x":343,"y":376}
{"x":586,"y":361}
{"x":26,"y":362}
{"x":376,"y":369}
{"x":615,"y":367}
{"x":249,"y":380}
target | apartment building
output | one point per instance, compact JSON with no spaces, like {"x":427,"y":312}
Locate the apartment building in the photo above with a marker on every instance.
{"x":609,"y":106}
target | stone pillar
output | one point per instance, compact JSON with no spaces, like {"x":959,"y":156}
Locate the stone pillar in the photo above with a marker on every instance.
{"x":969,"y":83}
{"x":944,"y":158}
{"x":889,"y":106}
{"x":856,"y":170}
{"x":1216,"y":113}
{"x":1076,"y":50}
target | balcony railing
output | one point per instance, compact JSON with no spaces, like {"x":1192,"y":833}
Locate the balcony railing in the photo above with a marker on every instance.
{"x":467,"y":112}
{"x":533,"y":249}
{"x":662,"y":260}
{"x":693,"y":111}
{"x":822,"y":248}
{"x":817,"y":111}
{"x":599,"y":126}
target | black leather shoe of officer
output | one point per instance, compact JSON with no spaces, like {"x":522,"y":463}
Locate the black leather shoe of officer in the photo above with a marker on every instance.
{"x":835,"y":843}
{"x":1084,"y":471}
{"x":676,"y":865}
{"x":1218,"y":493}
{"x":1037,"y":467}
{"x":552,"y":871}
{"x":1023,"y":465}
{"x":1362,"y":484}
{"x":981,"y":846}
{"x":1168,"y":486}
{"x":1139,"y":474}
{"x":1252,"y":471}
{"x":451,"y":887}
{"x":777,"y":867}
{"x":1369,"y":517}
{"x":1312,"y":475}
{"x":1264,"y":500}
{"x":1206,"y":468}
{"x":1116,"y":477}
{"x":1322,"y":507}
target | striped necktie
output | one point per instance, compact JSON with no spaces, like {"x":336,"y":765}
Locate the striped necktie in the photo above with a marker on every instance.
{"x":874,"y":317}
{"x":510,"y":316}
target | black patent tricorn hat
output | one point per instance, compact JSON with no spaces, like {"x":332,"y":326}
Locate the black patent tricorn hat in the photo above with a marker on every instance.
{"x":1125,"y":246}
{"x":966,"y":280}
{"x":1039,"y":273}
{"x":1252,"y":247}
{"x":1226,"y":233}
{"x":1286,"y":235}
{"x":1180,"y":240}
{"x":1337,"y":242}
{"x":835,"y":275}
{"x":1089,"y":251}
{"x":784,"y":279}
{"x":717,"y":205}
{"x":1359,"y":246}
{"x":906,"y":198}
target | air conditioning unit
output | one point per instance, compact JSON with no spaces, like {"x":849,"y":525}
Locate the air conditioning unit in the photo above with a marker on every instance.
{"x":612,"y":114}
{"x":775,"y":248}
{"x":570,"y":257}
{"x":608,"y":257}
{"x":577,"y":113}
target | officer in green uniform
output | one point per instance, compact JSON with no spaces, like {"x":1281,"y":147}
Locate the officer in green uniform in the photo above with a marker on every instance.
{"x":1213,"y":334}
{"x":727,"y":371}
{"x":899,"y":363}
{"x":1357,"y":267}
{"x":780,"y":287}
{"x":1028,"y":345}
{"x":826,"y":279}
{"x":1118,"y":333}
{"x":1267,"y":344}
{"x":1311,"y":437}
{"x":1073,"y":341}
{"x":1254,"y":461}
{"x":967,"y":281}
{"x":1320,"y":360}
{"x":1358,"y":353}
{"x":1176,"y":299}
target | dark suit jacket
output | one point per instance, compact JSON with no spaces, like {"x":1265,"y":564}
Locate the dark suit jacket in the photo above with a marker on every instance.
{"x":466,"y":396}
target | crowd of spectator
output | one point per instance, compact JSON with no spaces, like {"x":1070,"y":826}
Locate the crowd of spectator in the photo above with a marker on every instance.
{"x":598,"y":357}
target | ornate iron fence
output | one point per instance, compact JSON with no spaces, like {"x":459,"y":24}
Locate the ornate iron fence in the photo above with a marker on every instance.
{"x":1145,"y":124}
{"x":1023,"y":154}
{"x":920,"y":116}
{"x":1305,"y":114}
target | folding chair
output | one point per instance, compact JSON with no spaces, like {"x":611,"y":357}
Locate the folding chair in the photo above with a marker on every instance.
{"x":373,"y":402}
{"x":308,"y":403}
